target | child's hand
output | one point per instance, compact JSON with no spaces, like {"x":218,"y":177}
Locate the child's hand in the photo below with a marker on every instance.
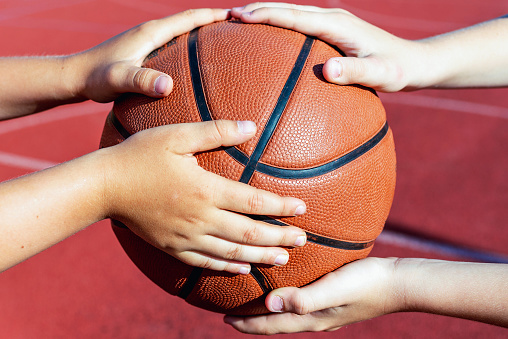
{"x":155,"y":186}
{"x":114,"y":67}
{"x":375,"y":58}
{"x":360,"y":290}
{"x":372,"y":287}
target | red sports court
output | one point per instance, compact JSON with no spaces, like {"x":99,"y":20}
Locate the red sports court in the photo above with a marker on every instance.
{"x":450,"y":199}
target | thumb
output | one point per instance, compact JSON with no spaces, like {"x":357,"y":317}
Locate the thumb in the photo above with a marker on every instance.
{"x":204,"y":136}
{"x":127,"y":78}
{"x":319,"y":295}
{"x":291,"y":299}
{"x":351,"y":70}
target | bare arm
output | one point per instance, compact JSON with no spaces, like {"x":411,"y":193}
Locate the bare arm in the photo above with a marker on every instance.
{"x":41,"y":209}
{"x":476,"y":56}
{"x":475,"y":291}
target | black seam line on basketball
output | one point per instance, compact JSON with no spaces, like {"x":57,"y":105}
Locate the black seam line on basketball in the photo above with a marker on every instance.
{"x":199,"y":93}
{"x":285,"y":173}
{"x":338,"y":244}
{"x":289,"y":173}
{"x":279,"y":108}
{"x":319,"y":239}
{"x":119,"y":127}
{"x":191,"y":281}
{"x":237,"y":155}
{"x":197,"y":84}
{"x":260,"y":278}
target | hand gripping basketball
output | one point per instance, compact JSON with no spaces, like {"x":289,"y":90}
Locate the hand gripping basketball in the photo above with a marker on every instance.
{"x":159,"y":191}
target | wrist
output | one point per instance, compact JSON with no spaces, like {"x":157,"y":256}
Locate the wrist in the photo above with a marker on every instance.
{"x":403,"y":282}
{"x":418,"y":69}
{"x":74,"y":77}
{"x":94,"y":171}
{"x":104,"y":175}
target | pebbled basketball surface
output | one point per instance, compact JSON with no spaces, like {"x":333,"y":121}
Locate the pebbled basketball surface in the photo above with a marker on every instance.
{"x":328,"y":145}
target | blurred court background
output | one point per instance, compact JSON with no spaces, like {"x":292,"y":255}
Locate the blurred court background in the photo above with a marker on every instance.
{"x":451,"y":198}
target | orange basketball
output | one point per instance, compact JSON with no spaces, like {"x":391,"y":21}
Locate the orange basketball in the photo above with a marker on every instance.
{"x":326,"y":144}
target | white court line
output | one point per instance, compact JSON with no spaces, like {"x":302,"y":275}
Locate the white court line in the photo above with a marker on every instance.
{"x":398,"y":239}
{"x":56,"y":114}
{"x":29,"y":163}
{"x":454,"y":105}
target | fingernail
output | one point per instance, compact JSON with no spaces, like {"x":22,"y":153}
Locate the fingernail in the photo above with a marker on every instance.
{"x":237,"y":9}
{"x":277,"y":304}
{"x":300,"y":210}
{"x":246,"y":127}
{"x":161,"y":84}
{"x":336,"y":70}
{"x":244,"y":270}
{"x":300,"y":241}
{"x":281,"y":259}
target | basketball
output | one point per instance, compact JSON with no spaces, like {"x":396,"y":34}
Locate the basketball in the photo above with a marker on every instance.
{"x":326,"y":144}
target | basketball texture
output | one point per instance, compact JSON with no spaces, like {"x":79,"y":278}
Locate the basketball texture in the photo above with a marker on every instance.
{"x":328,"y":145}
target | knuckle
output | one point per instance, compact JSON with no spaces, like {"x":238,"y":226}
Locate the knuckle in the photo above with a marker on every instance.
{"x":339,"y":16}
{"x":207,"y":264}
{"x":110,"y":74}
{"x":251,"y":235}
{"x":284,"y":239}
{"x":218,"y":131}
{"x":228,"y":268}
{"x":267,"y":331}
{"x":234,"y":252}
{"x":296,"y":12}
{"x":146,"y":27}
{"x":285,"y":208}
{"x":189,"y":12}
{"x":146,"y":30}
{"x":202,"y":194}
{"x":142,"y":78}
{"x":255,"y":203}
{"x":301,"y":305}
{"x":193,"y":15}
{"x":357,"y":70}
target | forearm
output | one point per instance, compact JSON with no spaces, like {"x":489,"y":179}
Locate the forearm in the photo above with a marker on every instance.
{"x":33,"y":84}
{"x":476,"y":56}
{"x":41,"y":209}
{"x":475,"y":291}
